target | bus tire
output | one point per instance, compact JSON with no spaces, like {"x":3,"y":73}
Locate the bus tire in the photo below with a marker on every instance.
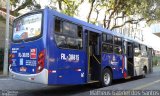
{"x":106,"y":77}
{"x":144,"y":71}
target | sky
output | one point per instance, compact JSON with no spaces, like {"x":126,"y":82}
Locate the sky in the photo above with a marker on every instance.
{"x":151,"y":39}
{"x":43,"y":3}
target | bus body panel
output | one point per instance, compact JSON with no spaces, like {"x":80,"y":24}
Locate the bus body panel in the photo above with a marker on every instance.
{"x":139,"y":63}
{"x":66,"y":66}
{"x":115,"y":62}
{"x":144,"y":62}
{"x":41,"y":77}
{"x":22,"y":56}
{"x":138,"y":66}
{"x":24,"y":65}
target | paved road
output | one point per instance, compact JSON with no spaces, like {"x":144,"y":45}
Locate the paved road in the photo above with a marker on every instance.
{"x":22,"y":88}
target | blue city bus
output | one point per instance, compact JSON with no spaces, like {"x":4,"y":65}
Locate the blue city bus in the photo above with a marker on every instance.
{"x":55,"y":49}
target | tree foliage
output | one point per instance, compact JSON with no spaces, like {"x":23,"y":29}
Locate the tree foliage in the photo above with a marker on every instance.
{"x":133,"y":11}
{"x":69,"y":7}
{"x":22,"y":4}
{"x":126,"y":11}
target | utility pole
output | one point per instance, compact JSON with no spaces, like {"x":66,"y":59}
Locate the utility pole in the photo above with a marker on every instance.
{"x":5,"y":63}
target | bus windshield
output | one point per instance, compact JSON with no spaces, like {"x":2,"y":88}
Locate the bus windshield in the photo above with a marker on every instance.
{"x":27,"y":27}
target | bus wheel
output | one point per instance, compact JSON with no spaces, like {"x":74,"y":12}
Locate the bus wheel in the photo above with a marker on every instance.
{"x":106,"y":77}
{"x":145,"y":69}
{"x":144,"y":72}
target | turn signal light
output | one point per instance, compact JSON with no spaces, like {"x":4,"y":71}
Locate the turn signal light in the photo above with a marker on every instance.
{"x":41,"y":60}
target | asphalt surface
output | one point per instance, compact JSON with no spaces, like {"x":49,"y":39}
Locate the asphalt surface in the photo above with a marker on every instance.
{"x":12,"y":87}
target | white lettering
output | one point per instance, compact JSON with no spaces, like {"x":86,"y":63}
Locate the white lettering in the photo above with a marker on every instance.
{"x":77,"y":57}
{"x":21,"y":61}
{"x":82,"y":74}
{"x":63,"y":56}
{"x":70,"y":57}
{"x":23,"y":54}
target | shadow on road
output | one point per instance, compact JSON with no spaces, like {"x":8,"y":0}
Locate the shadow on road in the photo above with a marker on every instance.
{"x":120,"y":81}
{"x":69,"y":90}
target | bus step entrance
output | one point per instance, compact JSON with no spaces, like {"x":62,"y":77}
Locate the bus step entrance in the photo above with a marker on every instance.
{"x":128,"y":77}
{"x":93,"y":81}
{"x":89,"y":77}
{"x":90,"y":80}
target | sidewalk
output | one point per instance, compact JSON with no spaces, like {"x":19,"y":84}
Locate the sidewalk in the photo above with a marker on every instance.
{"x":3,"y":76}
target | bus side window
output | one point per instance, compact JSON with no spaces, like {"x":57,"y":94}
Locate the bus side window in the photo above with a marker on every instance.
{"x":107,"y":48}
{"x":79,"y":31}
{"x":137,"y":49}
{"x":57,"y":25}
{"x":117,"y":45}
{"x":68,"y":34}
{"x":109,"y":39}
{"x":143,"y":51}
{"x":118,"y":49}
{"x":104,"y":37}
{"x":107,"y":43}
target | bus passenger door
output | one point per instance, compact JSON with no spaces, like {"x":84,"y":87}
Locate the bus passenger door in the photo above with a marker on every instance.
{"x":130,"y":60}
{"x":93,"y":55}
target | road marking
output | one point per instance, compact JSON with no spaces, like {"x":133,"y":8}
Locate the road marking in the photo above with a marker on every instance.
{"x":6,"y":79}
{"x":146,"y":85}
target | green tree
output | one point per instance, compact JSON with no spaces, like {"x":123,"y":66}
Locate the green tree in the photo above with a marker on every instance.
{"x":90,"y":10}
{"x":21,"y":4}
{"x":69,"y":7}
{"x":134,"y":11}
{"x":128,"y":11}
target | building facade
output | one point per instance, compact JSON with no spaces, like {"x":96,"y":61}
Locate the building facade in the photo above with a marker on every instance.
{"x":156,"y":29}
